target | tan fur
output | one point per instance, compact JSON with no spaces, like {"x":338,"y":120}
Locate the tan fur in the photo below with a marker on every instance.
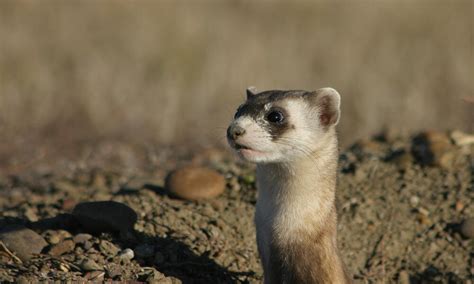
{"x":296,"y":218}
{"x":296,"y":158}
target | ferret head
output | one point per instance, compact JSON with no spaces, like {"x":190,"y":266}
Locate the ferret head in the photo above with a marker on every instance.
{"x":280,"y":126}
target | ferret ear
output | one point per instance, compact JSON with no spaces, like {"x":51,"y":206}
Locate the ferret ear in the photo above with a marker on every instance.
{"x":251,"y":91}
{"x":327,"y":101}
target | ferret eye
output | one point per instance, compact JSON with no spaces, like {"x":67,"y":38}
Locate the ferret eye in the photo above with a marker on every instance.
{"x":275,"y":117}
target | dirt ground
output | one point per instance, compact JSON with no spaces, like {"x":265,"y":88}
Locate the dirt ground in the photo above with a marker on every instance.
{"x":401,"y":201}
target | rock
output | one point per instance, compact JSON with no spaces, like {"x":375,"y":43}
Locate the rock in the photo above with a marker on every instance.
{"x":105,"y":216}
{"x":144,"y":250}
{"x":467,"y":228}
{"x":127,"y":254}
{"x":459,"y":206}
{"x":81,"y":238}
{"x":88,"y":245}
{"x":53,"y":237}
{"x":63,"y":234}
{"x":62,"y":248}
{"x":113,"y":270}
{"x":423,"y":211}
{"x":64,"y":267}
{"x":31,"y":215}
{"x":90,"y":265}
{"x":423,"y":219}
{"x":194,"y":183}
{"x":22,"y":241}
{"x":414,"y":200}
{"x":460,"y":138}
{"x":155,"y":276}
{"x":108,"y":248}
{"x":429,"y":147}
{"x":68,"y":204}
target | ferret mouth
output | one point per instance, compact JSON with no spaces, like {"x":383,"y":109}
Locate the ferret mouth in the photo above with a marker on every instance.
{"x":238,"y":146}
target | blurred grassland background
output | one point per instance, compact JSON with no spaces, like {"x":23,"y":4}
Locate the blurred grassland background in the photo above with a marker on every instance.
{"x":174,"y":72}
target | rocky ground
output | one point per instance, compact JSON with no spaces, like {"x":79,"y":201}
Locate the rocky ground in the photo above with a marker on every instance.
{"x":405,"y":204}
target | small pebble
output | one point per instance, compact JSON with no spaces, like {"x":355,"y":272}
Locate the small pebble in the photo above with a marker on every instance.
{"x":90,"y":265}
{"x":467,"y":228}
{"x":127,"y":254}
{"x":423,"y":211}
{"x":31,"y":215}
{"x":81,"y":238}
{"x":113,"y":270}
{"x":414,"y":200}
{"x":63,"y":267}
{"x":62,"y":248}
{"x":88,"y":245}
{"x":53,"y":239}
{"x":108,"y":248}
{"x":423,"y":219}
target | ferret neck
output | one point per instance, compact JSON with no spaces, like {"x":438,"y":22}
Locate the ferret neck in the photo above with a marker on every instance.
{"x":321,"y":163}
{"x":311,"y":177}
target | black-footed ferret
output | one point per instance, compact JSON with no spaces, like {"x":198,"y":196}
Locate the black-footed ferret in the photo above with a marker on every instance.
{"x":291,"y":136}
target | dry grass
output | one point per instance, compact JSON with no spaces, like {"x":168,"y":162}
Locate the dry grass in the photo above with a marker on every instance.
{"x":175,"y":72}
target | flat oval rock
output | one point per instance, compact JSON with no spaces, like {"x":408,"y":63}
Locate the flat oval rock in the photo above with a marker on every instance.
{"x":194,"y":183}
{"x":22,"y":241}
{"x":105,"y":216}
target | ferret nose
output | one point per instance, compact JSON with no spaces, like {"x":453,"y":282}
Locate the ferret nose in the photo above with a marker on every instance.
{"x":234,"y":131}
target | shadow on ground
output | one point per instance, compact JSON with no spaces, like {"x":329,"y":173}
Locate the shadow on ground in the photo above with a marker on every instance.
{"x":176,"y":258}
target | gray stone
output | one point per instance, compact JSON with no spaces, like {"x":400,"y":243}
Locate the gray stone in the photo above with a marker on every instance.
{"x":22,"y":241}
{"x":105,"y":216}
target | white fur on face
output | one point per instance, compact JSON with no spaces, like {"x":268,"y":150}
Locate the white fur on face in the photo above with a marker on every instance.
{"x":256,"y":139}
{"x":300,"y":140}
{"x":295,"y":142}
